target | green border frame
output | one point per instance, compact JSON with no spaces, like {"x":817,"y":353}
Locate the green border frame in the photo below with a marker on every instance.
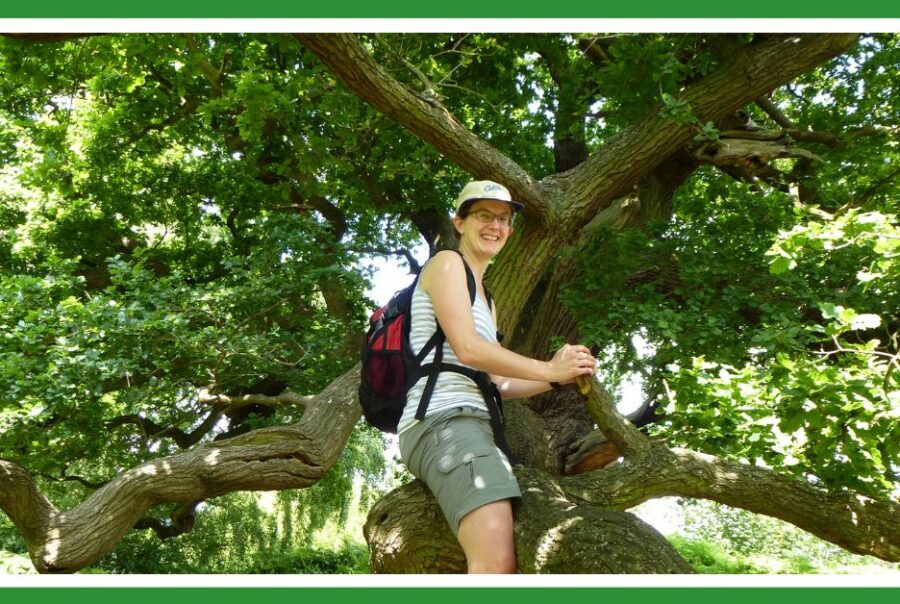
{"x":476,"y":9}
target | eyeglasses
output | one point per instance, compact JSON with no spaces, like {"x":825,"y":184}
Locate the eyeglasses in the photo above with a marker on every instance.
{"x":504,"y":220}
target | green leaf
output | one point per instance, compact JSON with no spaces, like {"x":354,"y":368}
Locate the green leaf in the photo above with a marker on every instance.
{"x":781,"y":264}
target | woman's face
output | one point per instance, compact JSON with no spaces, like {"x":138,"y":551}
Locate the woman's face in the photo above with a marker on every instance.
{"x":486,"y":227}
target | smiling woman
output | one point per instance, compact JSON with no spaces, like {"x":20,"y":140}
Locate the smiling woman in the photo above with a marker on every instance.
{"x":451,"y":430}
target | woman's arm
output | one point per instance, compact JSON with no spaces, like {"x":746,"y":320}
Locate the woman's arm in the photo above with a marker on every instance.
{"x":511,"y":388}
{"x":444,"y":279}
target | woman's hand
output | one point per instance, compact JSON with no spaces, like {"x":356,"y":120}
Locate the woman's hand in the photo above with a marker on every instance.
{"x":570,"y":361}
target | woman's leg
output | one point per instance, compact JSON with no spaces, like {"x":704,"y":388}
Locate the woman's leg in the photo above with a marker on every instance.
{"x":486,"y":536}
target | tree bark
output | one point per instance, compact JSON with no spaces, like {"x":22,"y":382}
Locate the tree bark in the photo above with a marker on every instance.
{"x":554,"y":534}
{"x":423,"y":116}
{"x":564,"y":203}
{"x":859,"y":524}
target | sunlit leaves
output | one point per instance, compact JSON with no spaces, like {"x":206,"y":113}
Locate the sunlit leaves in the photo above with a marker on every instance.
{"x":772,"y":331}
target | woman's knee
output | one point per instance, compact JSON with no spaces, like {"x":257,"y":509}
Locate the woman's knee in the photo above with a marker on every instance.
{"x":486,"y":536}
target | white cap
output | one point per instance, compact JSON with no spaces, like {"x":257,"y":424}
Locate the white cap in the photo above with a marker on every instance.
{"x":478,"y":190}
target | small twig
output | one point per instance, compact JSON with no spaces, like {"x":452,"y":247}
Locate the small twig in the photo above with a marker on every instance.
{"x":63,"y":477}
{"x":797,"y":95}
{"x":426,"y":82}
{"x":494,"y":107}
{"x":414,"y":267}
{"x":868,"y":193}
{"x":893,"y":360}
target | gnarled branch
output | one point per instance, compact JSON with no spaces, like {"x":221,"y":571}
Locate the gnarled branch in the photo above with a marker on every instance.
{"x":649,"y":470}
{"x":756,"y":69}
{"x":282,"y":457}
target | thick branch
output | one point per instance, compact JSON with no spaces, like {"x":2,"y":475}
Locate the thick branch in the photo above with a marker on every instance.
{"x":572,"y":93}
{"x":282,"y":457}
{"x":434,"y":226}
{"x":596,"y":49}
{"x":859,"y":524}
{"x":772,"y":110}
{"x":211,"y":73}
{"x":424,"y":116}
{"x":757,"y":69}
{"x":285,"y":398}
{"x":184,"y":440}
{"x":650,"y":470}
{"x":595,"y":451}
{"x":749,"y":154}
{"x":621,"y":432}
{"x":406,"y":532}
{"x":25,"y":505}
{"x":809,"y":136}
{"x":47,"y":37}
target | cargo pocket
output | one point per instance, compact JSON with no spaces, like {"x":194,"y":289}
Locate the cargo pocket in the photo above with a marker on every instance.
{"x":490,"y":470}
{"x":454,"y":456}
{"x":482,"y":467}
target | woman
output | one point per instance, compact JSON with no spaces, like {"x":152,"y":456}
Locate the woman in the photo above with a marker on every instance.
{"x":452,"y":450}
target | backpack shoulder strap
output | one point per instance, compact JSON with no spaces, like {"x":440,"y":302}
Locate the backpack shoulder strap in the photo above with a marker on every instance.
{"x":470,"y":278}
{"x":470,"y":281}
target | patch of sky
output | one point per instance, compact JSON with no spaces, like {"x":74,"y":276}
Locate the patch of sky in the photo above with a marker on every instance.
{"x":390,"y":273}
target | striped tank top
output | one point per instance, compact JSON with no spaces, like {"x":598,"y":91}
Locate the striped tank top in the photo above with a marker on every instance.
{"x":452,"y":389}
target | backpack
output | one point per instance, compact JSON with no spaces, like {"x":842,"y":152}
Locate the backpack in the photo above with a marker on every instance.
{"x":390,"y":369}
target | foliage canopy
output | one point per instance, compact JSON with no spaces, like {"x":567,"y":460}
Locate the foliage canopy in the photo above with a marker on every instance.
{"x":185,"y":218}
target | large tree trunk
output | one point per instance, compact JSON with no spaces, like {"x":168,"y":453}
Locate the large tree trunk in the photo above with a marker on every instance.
{"x":630,"y":180}
{"x":561,"y":206}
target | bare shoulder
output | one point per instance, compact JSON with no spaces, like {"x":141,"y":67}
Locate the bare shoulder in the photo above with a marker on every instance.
{"x":445,"y":261}
{"x":445,"y":265}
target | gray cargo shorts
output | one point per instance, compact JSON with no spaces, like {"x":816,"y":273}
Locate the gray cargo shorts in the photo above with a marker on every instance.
{"x":453,"y":452}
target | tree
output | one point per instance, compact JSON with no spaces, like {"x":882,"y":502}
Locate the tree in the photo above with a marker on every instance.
{"x":185,"y":215}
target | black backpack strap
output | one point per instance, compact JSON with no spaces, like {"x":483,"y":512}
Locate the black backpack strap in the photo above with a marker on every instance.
{"x":435,"y":340}
{"x":432,"y":370}
{"x":470,"y":279}
{"x":490,"y":301}
{"x":492,"y":399}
